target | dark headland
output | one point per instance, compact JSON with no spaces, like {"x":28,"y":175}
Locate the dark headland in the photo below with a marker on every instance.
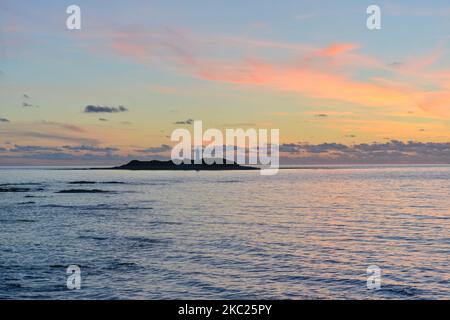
{"x":187,"y":165}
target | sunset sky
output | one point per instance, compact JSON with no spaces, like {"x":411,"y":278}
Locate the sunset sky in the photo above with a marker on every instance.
{"x":137,"y":70}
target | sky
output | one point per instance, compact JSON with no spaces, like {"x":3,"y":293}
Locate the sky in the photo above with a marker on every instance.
{"x":137,"y":70}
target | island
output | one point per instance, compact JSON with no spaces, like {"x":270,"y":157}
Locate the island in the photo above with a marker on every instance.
{"x":187,"y":165}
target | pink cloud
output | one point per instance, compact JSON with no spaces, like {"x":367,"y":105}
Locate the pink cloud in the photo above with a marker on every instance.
{"x":309,"y":82}
{"x":336,"y":49}
{"x":324,"y":73}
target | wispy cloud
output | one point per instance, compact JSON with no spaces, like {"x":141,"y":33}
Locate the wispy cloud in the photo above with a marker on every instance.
{"x":4,"y":120}
{"x":162,"y":148}
{"x":76,"y":148}
{"x":47,"y":136}
{"x":104,"y":109}
{"x":331,"y":73}
{"x":90,"y":148}
{"x":18,"y":148}
{"x":392,"y":152}
{"x":65,"y":126}
{"x":188,"y":121}
{"x":336,"y":49}
{"x":27,"y":103}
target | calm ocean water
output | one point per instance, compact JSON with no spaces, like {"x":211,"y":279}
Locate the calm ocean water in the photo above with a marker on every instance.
{"x":302,"y":234}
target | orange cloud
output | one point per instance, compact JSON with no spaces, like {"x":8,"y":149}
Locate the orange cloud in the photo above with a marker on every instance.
{"x":309,"y":82}
{"x":436,"y":103}
{"x":329,"y":73}
{"x":336,"y":49}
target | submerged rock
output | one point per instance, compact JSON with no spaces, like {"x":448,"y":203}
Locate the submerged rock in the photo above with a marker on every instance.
{"x":14,"y":189}
{"x":83,"y":191}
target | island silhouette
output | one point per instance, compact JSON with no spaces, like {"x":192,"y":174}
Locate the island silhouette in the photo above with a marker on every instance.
{"x":185,"y":165}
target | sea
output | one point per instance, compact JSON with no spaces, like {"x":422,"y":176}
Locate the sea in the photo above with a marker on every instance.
{"x":305,"y":233}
